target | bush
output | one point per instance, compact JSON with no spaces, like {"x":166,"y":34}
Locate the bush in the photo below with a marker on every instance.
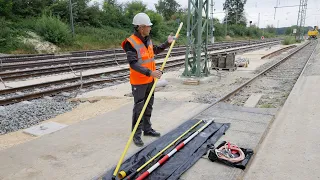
{"x":53,"y":30}
{"x":8,"y":37}
{"x":25,"y":24}
{"x":289,"y":40}
{"x":237,"y":30}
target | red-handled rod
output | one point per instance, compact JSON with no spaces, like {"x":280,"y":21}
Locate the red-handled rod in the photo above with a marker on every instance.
{"x":171,"y":153}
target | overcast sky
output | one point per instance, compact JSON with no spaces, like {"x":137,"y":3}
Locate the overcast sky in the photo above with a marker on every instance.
{"x":284,"y":16}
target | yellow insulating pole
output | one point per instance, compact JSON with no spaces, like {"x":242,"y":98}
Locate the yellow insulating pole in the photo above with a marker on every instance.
{"x":144,"y":107}
{"x":145,"y":164}
{"x":122,"y":174}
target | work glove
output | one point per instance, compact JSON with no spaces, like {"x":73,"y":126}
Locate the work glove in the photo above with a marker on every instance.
{"x":171,"y":37}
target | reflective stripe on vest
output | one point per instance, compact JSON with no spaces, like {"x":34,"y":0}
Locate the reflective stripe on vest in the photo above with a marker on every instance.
{"x":145,"y":56}
{"x":138,"y":47}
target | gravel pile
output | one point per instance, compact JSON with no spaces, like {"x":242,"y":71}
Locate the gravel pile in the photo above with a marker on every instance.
{"x":26,"y":114}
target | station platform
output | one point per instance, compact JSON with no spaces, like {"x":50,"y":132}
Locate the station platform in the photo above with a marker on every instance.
{"x":291,"y":147}
{"x":89,"y":148}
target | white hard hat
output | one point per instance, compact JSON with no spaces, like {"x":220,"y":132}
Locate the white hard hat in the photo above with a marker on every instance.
{"x":141,"y":19}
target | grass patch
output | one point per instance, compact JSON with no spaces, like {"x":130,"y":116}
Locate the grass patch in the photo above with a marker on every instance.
{"x":266,"y":106}
{"x":24,"y":49}
{"x":289,"y":40}
{"x":89,"y":38}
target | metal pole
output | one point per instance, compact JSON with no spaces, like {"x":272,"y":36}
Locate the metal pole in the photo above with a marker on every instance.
{"x":299,"y":17}
{"x":171,"y":153}
{"x":197,"y":32}
{"x":236,"y":17}
{"x":226,"y":22}
{"x":199,"y":37}
{"x":71,"y":17}
{"x":189,"y":40}
{"x":259,"y":21}
{"x":212,"y":26}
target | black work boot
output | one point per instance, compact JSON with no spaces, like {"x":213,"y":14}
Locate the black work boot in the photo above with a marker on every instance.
{"x":152,"y":133}
{"x":138,"y":141}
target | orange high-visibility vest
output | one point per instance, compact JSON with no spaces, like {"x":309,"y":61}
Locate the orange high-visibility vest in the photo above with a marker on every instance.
{"x":145,"y":59}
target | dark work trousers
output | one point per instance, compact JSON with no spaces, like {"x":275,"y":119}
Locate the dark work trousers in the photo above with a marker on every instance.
{"x":140,"y":94}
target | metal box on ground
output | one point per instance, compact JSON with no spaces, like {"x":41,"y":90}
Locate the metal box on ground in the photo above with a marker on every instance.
{"x":224,"y":62}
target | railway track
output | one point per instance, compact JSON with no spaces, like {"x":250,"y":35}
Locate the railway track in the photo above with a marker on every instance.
{"x":42,"y":57}
{"x":285,"y":71}
{"x":12,"y":63}
{"x":84,"y":65}
{"x":14,"y":95}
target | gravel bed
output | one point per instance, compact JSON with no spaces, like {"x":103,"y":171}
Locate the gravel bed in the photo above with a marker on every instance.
{"x":64,"y":65}
{"x":275,"y":60}
{"x":85,"y":59}
{"x":25,"y":114}
{"x":218,"y":92}
{"x":276,"y":85}
{"x":37,"y":89}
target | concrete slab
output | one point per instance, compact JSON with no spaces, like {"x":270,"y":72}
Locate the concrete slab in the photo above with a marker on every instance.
{"x":45,"y":128}
{"x":253,"y":100}
{"x":248,"y":127}
{"x":88,"y":148}
{"x":237,"y":115}
{"x":291,"y":148}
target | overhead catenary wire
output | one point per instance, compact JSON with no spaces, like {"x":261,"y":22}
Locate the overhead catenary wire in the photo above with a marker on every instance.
{"x":144,"y":107}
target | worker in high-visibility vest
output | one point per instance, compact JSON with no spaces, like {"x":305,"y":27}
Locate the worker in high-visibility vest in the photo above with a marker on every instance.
{"x":140,"y":54}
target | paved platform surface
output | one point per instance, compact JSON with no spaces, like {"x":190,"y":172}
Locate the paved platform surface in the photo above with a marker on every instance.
{"x":291,"y":148}
{"x":248,"y":127}
{"x":89,"y":148}
{"x":86,"y":149}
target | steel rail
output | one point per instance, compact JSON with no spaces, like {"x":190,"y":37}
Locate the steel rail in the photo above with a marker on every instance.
{"x":173,"y":63}
{"x":53,"y":91}
{"x":82,"y":66}
{"x":88,"y":53}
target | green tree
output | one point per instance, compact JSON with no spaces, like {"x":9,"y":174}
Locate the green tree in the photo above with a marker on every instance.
{"x":235,"y":9}
{"x":79,"y":11}
{"x":61,"y":9}
{"x":157,"y":22}
{"x":94,"y":15}
{"x":133,"y":8}
{"x":5,"y":8}
{"x":271,"y":29}
{"x":167,"y":8}
{"x":113,"y":14}
{"x":30,"y":8}
{"x":288,"y":31}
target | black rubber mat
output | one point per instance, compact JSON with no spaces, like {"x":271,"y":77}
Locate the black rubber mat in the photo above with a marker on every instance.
{"x":182,"y":160}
